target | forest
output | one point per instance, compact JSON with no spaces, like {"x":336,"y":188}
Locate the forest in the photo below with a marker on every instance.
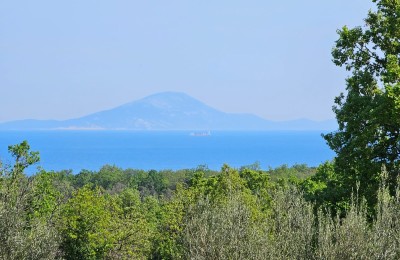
{"x":245,"y":213}
{"x":347,"y":208}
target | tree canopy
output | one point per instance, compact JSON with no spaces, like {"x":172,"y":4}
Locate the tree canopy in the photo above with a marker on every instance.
{"x":368,"y":113}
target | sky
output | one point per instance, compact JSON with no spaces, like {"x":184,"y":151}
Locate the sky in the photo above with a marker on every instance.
{"x":66,"y":59}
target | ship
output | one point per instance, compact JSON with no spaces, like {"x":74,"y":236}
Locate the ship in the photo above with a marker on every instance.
{"x":205,"y":133}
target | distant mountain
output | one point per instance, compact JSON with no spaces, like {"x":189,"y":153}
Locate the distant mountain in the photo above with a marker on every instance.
{"x":167,"y":111}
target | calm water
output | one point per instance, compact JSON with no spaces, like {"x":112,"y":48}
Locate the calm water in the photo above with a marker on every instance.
{"x":90,"y":150}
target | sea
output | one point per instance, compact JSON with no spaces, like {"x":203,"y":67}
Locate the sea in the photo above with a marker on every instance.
{"x":158,"y":150}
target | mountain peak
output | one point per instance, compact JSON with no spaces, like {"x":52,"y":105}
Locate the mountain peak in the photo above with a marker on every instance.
{"x":164,"y":111}
{"x":168,"y":101}
{"x":168,"y":94}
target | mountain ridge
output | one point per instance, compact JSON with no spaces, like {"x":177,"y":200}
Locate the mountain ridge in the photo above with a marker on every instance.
{"x":167,"y":111}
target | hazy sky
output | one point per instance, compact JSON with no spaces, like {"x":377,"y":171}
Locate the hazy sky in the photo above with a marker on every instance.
{"x":64,"y":59}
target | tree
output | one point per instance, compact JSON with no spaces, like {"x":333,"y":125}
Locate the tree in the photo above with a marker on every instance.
{"x":23,"y":157}
{"x":25,"y":229}
{"x":85,"y":225}
{"x":369,"y":114}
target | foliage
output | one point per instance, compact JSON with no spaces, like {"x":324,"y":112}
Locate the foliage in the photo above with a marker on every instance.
{"x":324,"y":189}
{"x":295,"y":172}
{"x":132,"y":227}
{"x":221,"y":231}
{"x":369,"y":114}
{"x":95,"y":225}
{"x":344,"y":209}
{"x":25,"y":232}
{"x":23,"y":157}
{"x":85,"y":225}
{"x":197,"y":214}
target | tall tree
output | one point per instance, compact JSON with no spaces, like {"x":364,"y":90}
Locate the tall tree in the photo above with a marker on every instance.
{"x":369,"y":113}
{"x":25,"y":229}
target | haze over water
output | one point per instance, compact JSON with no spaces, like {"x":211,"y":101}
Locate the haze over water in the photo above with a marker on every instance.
{"x":174,"y":150}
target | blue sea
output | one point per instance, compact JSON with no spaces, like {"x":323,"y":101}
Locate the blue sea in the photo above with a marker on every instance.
{"x":77,"y":150}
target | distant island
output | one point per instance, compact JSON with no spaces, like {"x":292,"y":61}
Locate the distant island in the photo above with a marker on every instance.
{"x":168,"y":111}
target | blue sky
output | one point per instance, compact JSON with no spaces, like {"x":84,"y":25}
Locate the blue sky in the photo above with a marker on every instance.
{"x":64,"y":59}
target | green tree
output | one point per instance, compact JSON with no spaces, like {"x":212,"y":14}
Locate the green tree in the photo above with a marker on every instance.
{"x":132,"y":227}
{"x":154,"y":183}
{"x":83,"y":178}
{"x":85,"y":225}
{"x":23,"y":156}
{"x":369,"y":113}
{"x":96,"y":225}
{"x":25,"y":229}
{"x":108,"y":176}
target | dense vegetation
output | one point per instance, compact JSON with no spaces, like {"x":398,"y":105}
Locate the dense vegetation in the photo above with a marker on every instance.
{"x":344,"y":209}
{"x":246,"y":213}
{"x":369,"y":112}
